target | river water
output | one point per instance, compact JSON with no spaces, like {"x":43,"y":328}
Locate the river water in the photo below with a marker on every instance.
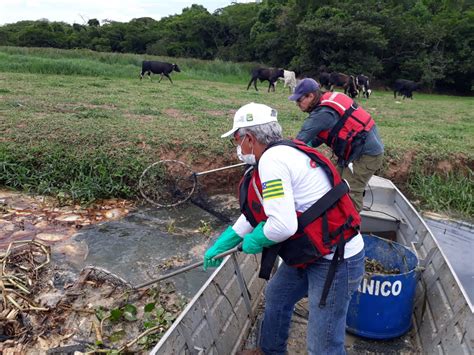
{"x":150,"y":242}
{"x":456,"y":240}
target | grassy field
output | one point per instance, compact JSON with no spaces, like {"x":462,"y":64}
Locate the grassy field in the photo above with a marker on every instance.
{"x":80,"y":124}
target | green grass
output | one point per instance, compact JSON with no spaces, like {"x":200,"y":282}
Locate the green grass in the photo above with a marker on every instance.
{"x":111,"y":65}
{"x":81,"y":124}
{"x":451,"y":193}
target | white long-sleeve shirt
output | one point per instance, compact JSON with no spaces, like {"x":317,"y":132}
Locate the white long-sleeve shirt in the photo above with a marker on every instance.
{"x":290,"y":183}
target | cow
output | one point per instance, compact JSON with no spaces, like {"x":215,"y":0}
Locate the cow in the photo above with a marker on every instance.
{"x":155,"y":67}
{"x":289,"y":79}
{"x":405,"y":88}
{"x":351,"y":88}
{"x":347,"y":82}
{"x":324,"y":80}
{"x":362,"y":83}
{"x":269,"y":74}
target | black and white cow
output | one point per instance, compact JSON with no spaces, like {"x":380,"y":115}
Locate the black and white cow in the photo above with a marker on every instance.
{"x":155,"y":67}
{"x":269,"y":74}
{"x":363,"y":85}
{"x":405,"y":88}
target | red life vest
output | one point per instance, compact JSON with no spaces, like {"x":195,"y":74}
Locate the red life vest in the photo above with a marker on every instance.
{"x":348,"y":136}
{"x":330,"y":222}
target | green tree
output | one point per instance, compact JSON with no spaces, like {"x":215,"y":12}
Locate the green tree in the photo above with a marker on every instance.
{"x":333,"y":38}
{"x":274,"y":32}
{"x":236,"y":22}
{"x":191,"y":34}
{"x":43,"y":34}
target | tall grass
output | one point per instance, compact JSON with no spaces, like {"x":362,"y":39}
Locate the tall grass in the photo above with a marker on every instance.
{"x":69,"y":175}
{"x":452,"y":192}
{"x":89,"y":63}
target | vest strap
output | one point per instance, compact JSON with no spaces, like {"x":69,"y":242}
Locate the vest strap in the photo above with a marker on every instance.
{"x":338,"y":256}
{"x":340,"y":123}
{"x":267,"y":262}
{"x":243,"y":198}
{"x":323,"y":204}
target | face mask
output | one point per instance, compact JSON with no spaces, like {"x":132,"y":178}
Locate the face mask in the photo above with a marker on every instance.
{"x":246,"y":158}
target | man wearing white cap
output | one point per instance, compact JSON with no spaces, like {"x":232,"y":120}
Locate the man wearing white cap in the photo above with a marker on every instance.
{"x":294,"y":205}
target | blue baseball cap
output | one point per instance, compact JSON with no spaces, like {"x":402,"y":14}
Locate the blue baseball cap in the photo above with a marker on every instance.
{"x":304,"y":87}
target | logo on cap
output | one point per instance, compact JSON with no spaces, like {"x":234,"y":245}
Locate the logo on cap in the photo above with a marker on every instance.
{"x":249,"y":117}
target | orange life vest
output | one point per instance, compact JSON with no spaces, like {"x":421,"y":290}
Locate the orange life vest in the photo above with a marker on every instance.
{"x":323,"y":226}
{"x":327,"y":225}
{"x":348,"y":136}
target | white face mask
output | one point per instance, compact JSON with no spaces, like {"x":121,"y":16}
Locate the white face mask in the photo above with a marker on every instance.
{"x":246,"y":158}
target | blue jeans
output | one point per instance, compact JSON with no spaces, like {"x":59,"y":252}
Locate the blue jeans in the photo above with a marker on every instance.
{"x":326,"y":326}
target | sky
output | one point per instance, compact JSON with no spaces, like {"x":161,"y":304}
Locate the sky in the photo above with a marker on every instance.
{"x":80,"y":11}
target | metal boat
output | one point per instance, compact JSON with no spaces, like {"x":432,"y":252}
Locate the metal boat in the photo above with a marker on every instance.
{"x":219,"y":317}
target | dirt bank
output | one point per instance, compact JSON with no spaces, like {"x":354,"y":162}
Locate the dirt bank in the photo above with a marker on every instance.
{"x":397,"y":169}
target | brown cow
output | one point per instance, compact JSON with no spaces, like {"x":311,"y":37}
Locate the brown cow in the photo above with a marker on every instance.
{"x":347,"y":82}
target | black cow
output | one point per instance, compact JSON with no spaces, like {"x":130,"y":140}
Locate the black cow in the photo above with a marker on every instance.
{"x":324,"y":79}
{"x":269,"y":74}
{"x":362,"y":83}
{"x":155,"y":67}
{"x":344,"y":81}
{"x":405,"y":88}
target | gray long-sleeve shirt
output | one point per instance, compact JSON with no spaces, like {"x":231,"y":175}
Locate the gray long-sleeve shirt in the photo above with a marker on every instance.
{"x":325,"y":118}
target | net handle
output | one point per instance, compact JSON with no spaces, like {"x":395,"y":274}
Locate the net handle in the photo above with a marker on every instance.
{"x":187,"y":268}
{"x":219,"y":169}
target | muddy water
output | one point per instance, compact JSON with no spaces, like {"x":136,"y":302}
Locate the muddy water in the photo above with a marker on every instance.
{"x":150,"y":242}
{"x":137,"y":243}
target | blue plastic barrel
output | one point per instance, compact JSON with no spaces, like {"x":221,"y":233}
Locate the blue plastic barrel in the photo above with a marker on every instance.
{"x":382,"y":307}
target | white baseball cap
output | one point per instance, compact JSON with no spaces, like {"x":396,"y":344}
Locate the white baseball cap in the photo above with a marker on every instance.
{"x":252,"y":114}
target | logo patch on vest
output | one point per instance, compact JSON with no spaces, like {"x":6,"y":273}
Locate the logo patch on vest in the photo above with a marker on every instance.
{"x":256,"y":207}
{"x":272,"y":189}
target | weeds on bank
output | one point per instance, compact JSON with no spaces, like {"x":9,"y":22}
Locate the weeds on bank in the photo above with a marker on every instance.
{"x":68,"y":175}
{"x":444,"y":192}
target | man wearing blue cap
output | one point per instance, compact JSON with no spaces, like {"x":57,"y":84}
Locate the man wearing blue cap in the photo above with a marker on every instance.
{"x":336,"y":120}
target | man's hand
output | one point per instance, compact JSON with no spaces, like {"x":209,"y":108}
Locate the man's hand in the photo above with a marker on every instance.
{"x":227,"y":240}
{"x":255,"y":241}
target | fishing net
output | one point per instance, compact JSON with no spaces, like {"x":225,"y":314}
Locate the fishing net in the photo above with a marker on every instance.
{"x":167,"y":183}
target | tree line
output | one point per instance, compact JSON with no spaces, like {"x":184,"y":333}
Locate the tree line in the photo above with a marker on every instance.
{"x":428,"y":41}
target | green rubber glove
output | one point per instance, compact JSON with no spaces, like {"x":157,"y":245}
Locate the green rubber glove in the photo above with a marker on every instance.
{"x":255,"y":241}
{"x":227,"y":240}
